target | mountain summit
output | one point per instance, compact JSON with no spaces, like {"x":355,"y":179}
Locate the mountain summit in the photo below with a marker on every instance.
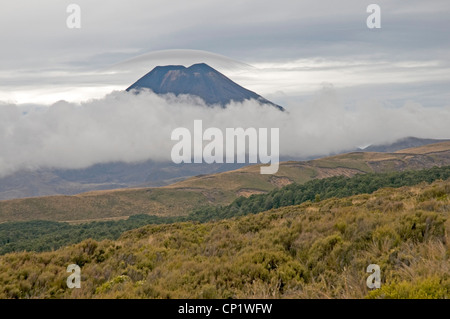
{"x":198,"y":79}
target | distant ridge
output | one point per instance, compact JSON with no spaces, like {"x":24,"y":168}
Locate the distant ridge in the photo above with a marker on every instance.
{"x":404,"y":143}
{"x":216,"y":189}
{"x":200,"y":80}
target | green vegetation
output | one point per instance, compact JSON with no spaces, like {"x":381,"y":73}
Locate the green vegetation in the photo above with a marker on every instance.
{"x":313,"y":250}
{"x":47,"y":235}
{"x":315,"y":190}
{"x":41,"y":235}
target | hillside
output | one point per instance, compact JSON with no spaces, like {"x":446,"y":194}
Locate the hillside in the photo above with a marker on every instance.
{"x":247,"y":180}
{"x":314,"y":250}
{"x":217,"y":189}
{"x":403,"y":143}
{"x":115,"y":175}
{"x":42,"y":235}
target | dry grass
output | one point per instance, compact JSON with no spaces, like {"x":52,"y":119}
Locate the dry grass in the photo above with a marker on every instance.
{"x":426,"y":149}
{"x":180,"y":198}
{"x":314,"y":250}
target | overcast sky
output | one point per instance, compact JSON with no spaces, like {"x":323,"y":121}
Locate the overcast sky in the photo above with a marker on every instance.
{"x":295,"y":46}
{"x":344,"y":85}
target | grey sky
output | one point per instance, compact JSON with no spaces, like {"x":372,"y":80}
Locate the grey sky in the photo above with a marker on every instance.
{"x":40,"y":54}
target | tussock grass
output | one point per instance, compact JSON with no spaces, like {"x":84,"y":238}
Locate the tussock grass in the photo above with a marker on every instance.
{"x":313,"y":250}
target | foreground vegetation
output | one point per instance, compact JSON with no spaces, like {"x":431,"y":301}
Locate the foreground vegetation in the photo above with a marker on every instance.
{"x":49,"y":235}
{"x":313,"y":250}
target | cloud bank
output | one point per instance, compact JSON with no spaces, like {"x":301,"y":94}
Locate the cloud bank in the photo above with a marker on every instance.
{"x":132,"y":128}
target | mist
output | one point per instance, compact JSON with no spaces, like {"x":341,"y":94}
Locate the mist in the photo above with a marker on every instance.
{"x":123,"y":126}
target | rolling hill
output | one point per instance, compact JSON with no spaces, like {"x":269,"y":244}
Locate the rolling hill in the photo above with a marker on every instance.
{"x":115,"y":175}
{"x":313,"y":250}
{"x":403,"y":143}
{"x":218,"y":189}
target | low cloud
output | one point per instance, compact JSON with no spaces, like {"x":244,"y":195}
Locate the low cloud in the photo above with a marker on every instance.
{"x":126,"y":127}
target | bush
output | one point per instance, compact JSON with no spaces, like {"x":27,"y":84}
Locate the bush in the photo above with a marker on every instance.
{"x":428,"y":288}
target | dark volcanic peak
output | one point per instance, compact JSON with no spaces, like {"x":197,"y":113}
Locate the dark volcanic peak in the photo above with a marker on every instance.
{"x":198,"y":79}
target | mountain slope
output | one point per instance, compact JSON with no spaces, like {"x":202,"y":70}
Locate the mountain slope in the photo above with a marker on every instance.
{"x":247,"y":180}
{"x":41,"y":235}
{"x":407,"y":142}
{"x":47,"y":182}
{"x":200,"y":80}
{"x":218,"y":189}
{"x":314,"y":250}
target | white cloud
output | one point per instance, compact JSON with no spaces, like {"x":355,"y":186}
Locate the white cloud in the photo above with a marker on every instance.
{"x":127,"y":127}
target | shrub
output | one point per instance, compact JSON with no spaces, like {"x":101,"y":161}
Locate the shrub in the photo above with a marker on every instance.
{"x":428,"y":288}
